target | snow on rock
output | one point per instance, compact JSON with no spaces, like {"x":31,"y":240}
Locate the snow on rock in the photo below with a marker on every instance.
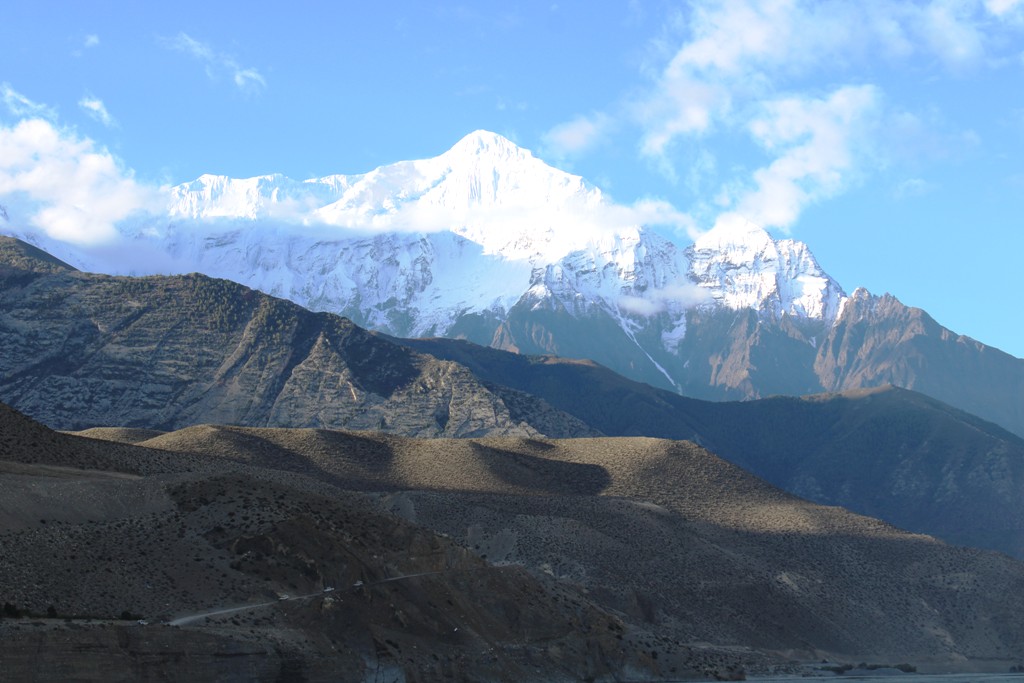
{"x":742,"y":266}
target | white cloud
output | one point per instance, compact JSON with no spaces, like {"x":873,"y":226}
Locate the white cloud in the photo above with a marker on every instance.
{"x":91,"y":40}
{"x":247,"y":79}
{"x":65,"y":185}
{"x":572,"y":219}
{"x":740,"y":52}
{"x":640,"y":306}
{"x":95,"y":108}
{"x":654,"y":301}
{"x":22,"y":107}
{"x":684,"y":105}
{"x":1004,"y":8}
{"x":912,"y":187}
{"x":815,"y":142}
{"x":736,"y":52}
{"x":752,"y":71}
{"x":578,"y":135}
{"x":949,"y":29}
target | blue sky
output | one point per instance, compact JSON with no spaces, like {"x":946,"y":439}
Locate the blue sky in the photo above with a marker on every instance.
{"x":886,"y":135}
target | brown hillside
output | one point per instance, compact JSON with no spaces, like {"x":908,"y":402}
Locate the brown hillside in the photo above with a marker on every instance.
{"x":673,"y":537}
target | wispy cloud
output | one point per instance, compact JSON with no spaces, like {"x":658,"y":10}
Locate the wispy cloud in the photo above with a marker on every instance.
{"x":738,"y":53}
{"x":247,"y":79}
{"x":94,"y":107}
{"x":577,"y":135}
{"x":503,"y":105}
{"x":90,"y":41}
{"x":1004,"y":8}
{"x":22,"y":107}
{"x":815,"y":143}
{"x":655,"y":301}
{"x":912,"y":187}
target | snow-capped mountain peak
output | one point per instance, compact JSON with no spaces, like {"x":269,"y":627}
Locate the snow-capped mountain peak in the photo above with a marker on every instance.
{"x":486,"y":169}
{"x":485,"y":188}
{"x":744,"y":267}
{"x":266,"y":196}
{"x":463,"y":240}
{"x":486,"y":145}
{"x":731,"y":232}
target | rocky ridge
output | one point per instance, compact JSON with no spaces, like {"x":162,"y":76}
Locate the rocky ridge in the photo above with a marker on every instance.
{"x":87,"y":350}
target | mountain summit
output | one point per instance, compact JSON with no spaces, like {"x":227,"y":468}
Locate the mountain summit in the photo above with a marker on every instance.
{"x":485,"y":188}
{"x":745,"y":267}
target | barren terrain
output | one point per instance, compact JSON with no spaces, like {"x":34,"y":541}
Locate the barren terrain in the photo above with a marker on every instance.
{"x":473,"y":559}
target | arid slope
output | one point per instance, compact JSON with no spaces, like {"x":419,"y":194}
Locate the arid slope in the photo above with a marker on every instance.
{"x":245,"y":572}
{"x":673,"y":538}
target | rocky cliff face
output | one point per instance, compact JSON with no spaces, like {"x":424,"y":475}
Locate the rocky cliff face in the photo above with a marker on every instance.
{"x":873,"y":342}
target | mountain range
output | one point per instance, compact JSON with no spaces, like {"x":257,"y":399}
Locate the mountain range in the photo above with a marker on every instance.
{"x":275,"y":544}
{"x":488,"y":243}
{"x":163,"y":353}
{"x":592,"y":369}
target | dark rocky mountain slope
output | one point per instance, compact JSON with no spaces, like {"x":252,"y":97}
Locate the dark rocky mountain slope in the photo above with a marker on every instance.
{"x":888,"y":452}
{"x":83,"y":350}
{"x":740,"y":355}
